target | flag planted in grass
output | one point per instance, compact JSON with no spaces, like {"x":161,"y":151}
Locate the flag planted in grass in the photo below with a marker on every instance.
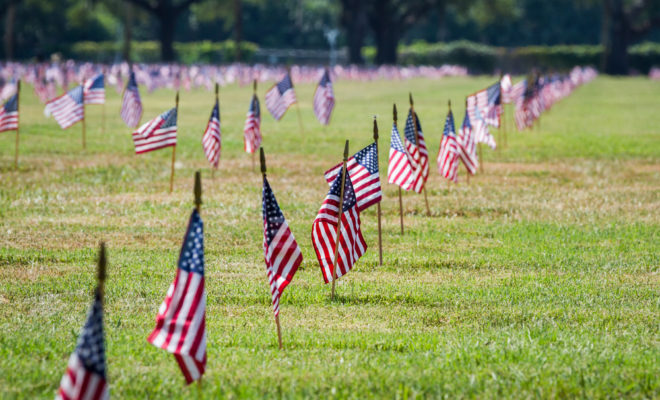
{"x":94,"y":89}
{"x":86,"y":375}
{"x":211,"y":140}
{"x":399,"y":171}
{"x":131,"y":105}
{"x":362,"y":167}
{"x":9,"y":114}
{"x":252,"y":128}
{"x":281,"y":251}
{"x":280,"y":97}
{"x":181,"y":320}
{"x":68,"y":108}
{"x":324,"y":99}
{"x":156,"y":134}
{"x":350,"y":245}
{"x":416,"y":147}
{"x":448,"y":155}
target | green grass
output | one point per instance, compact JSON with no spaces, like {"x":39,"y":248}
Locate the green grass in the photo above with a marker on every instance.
{"x":538,"y":279}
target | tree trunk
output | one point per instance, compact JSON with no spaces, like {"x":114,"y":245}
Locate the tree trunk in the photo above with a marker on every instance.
{"x":9,"y":30}
{"x":238,"y":28}
{"x":128,"y":33}
{"x":167,"y":19}
{"x":385,"y":27}
{"x":616,"y":37}
{"x":354,"y":21}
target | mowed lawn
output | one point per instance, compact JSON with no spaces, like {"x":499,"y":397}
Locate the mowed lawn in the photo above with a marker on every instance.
{"x":538,"y":279}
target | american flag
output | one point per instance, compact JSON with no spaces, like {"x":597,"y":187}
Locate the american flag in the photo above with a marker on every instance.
{"x":131,"y":105}
{"x":211,"y":138}
{"x":324,"y":99}
{"x":94,"y":89}
{"x":488,"y":103}
{"x":9,"y":114}
{"x":280,"y":97}
{"x":324,"y":231}
{"x":67,"y":108}
{"x":158,"y":133}
{"x":449,"y":151}
{"x":419,"y":155}
{"x":281,"y":252}
{"x":362,"y":167}
{"x":252,"y":128}
{"x":481,"y":132}
{"x":506,"y":86}
{"x":399,"y":171}
{"x":181,"y":320}
{"x":86,"y":375}
{"x":467,"y":146}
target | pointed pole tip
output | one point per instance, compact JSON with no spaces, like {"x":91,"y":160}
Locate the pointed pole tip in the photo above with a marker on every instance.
{"x":410,"y":99}
{"x":198,"y":189}
{"x":262,"y":159}
{"x":103,"y":261}
{"x":346,"y":150}
{"x":375,"y":129}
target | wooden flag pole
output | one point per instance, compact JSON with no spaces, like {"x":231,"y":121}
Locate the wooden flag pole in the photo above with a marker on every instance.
{"x":262,"y":159}
{"x":340,"y":212}
{"x":174,"y":147}
{"x":18,"y":116}
{"x":394,"y":115}
{"x":83,"y":118}
{"x":380,"y":234}
{"x":412,"y":109}
{"x":101,"y":271}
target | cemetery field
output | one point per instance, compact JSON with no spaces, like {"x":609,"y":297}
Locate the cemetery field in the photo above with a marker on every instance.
{"x":539,"y":278}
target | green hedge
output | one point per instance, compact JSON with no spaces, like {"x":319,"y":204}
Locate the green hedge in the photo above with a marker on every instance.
{"x":480,"y":58}
{"x":149,"y":51}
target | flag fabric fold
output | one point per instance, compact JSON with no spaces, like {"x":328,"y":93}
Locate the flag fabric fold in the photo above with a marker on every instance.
{"x":362,"y":167}
{"x":324,"y":99}
{"x":211,"y":140}
{"x":281,"y":252}
{"x":68,"y":108}
{"x":156,"y":134}
{"x":417,"y":151}
{"x":351,"y":244}
{"x":399,"y":171}
{"x":181,"y":320}
{"x":467,"y":146}
{"x":448,"y":155}
{"x":9,"y":114}
{"x":94,"y":90}
{"x":252,"y":128}
{"x":86,"y":375}
{"x":131,"y":105}
{"x":280,"y":97}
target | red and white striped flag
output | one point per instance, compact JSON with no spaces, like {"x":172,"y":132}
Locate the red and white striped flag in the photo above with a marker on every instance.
{"x":399,"y":171}
{"x":211,"y":140}
{"x":9,"y":114}
{"x":419,"y":155}
{"x":281,"y":252}
{"x":156,"y":134}
{"x":449,"y":152}
{"x":86,"y":374}
{"x":131,"y":105}
{"x":324,"y":231}
{"x":324,"y":99}
{"x":280,"y":97}
{"x":67,"y":108}
{"x":506,"y":85}
{"x":363,"y":170}
{"x":467,"y":146}
{"x":181,"y":320}
{"x":252,"y":128}
{"x":95,"y":90}
{"x":487,"y":103}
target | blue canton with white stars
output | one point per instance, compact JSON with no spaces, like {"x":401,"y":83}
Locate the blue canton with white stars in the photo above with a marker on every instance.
{"x":450,"y":130}
{"x":97,"y":83}
{"x":273,"y":217}
{"x":368,"y":158}
{"x":410,"y":128}
{"x":216,"y":111}
{"x":76,"y":94}
{"x":192,"y":252}
{"x":349,"y":193}
{"x":254,"y":107}
{"x":466,"y":122}
{"x":395,"y":142}
{"x":325,"y":80}
{"x":494,"y":94}
{"x":169,"y":117}
{"x":285,"y":84}
{"x":12,"y":104}
{"x":91,"y":347}
{"x":132,"y":84}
